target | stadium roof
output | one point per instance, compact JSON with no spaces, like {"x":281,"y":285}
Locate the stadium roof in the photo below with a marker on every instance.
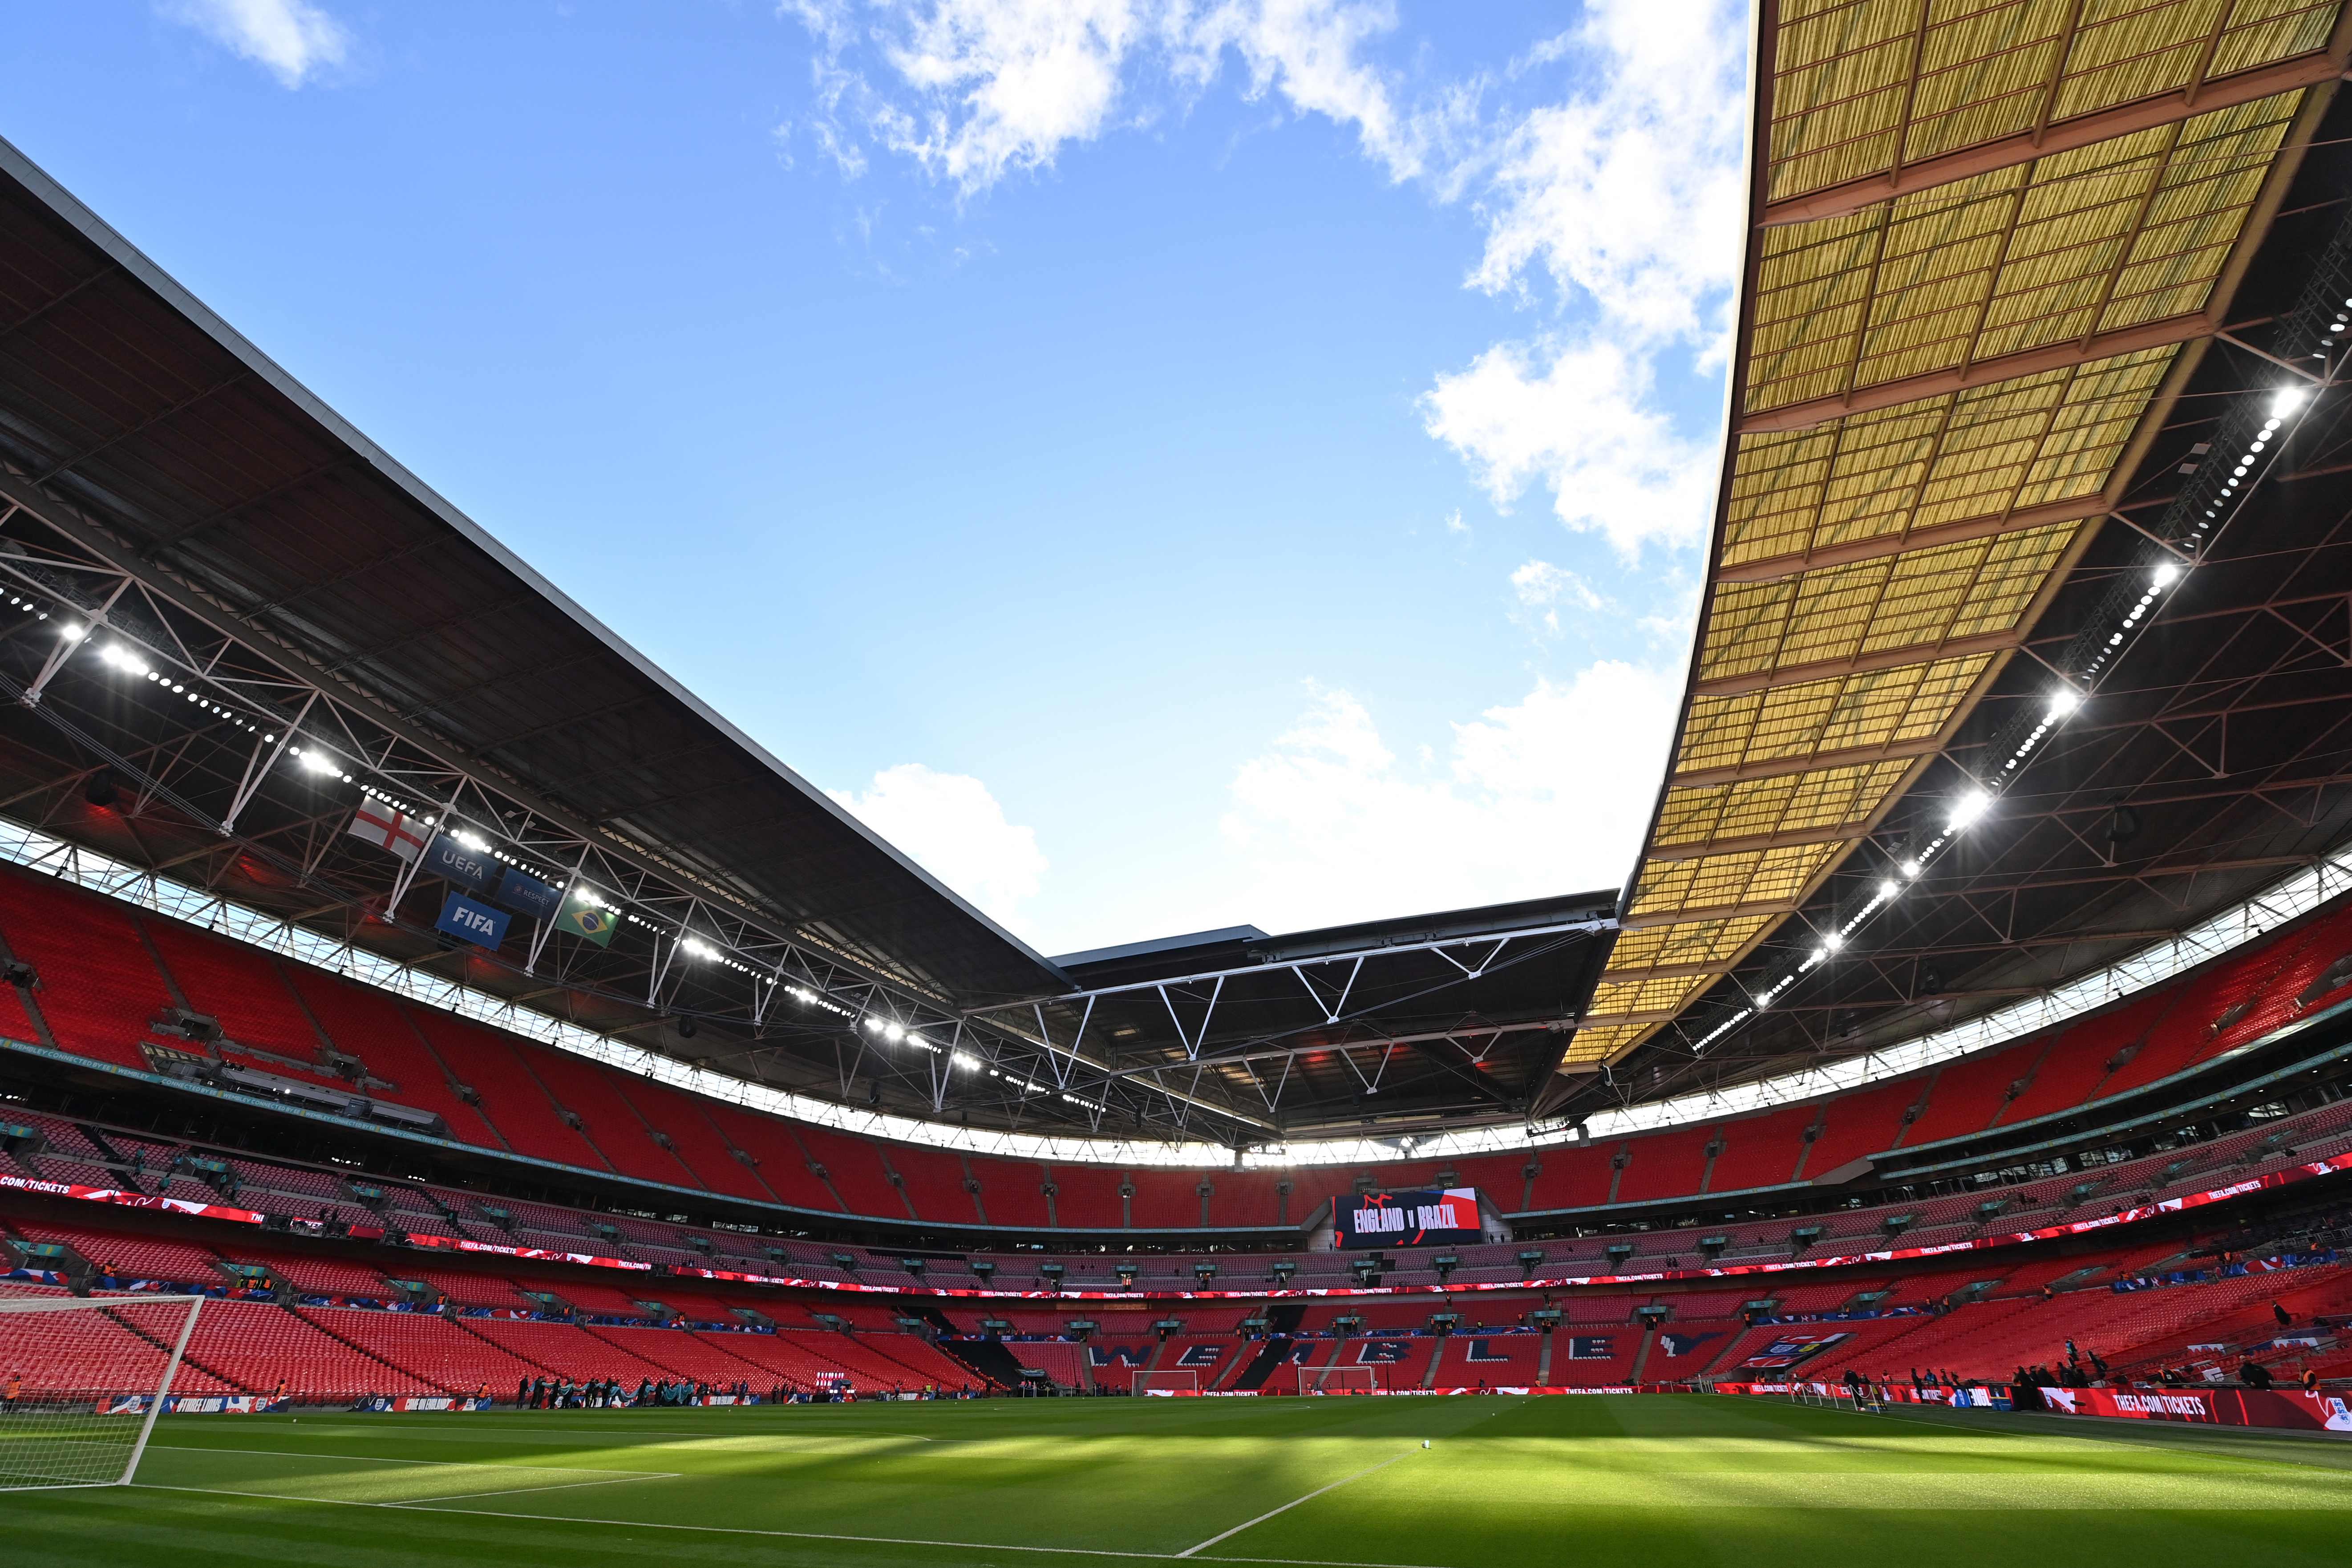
{"x":2008,"y":266}
{"x":274,"y":624}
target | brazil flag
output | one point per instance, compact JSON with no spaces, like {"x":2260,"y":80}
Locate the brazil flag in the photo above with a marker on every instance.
{"x":590,"y":920}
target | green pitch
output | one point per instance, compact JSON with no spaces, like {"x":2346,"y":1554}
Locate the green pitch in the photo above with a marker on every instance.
{"x":1506,"y":1482}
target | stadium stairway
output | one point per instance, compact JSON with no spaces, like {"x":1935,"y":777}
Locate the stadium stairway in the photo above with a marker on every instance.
{"x":1274,"y":1351}
{"x":187,"y":1358}
{"x":314,"y":1319}
{"x":988,"y":1359}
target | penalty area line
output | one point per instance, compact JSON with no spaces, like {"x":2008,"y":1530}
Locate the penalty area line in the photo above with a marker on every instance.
{"x":1294,"y":1502}
{"x":558,"y":1487}
{"x":809,"y":1534}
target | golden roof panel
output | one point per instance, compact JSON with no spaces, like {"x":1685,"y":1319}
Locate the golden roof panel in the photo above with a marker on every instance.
{"x":1902,"y":494}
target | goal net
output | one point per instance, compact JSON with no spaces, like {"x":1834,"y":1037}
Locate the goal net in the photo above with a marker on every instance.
{"x":81,"y":1381}
{"x":1339,"y":1379}
{"x":1163,"y":1384}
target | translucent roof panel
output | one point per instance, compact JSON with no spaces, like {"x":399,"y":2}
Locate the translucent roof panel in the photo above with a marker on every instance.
{"x":1861,"y":87}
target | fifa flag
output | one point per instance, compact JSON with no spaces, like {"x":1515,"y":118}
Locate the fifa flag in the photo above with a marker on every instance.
{"x":479,"y":923}
{"x":388,"y":828}
{"x":592,"y":920}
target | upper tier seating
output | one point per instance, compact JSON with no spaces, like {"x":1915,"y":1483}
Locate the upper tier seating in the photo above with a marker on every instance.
{"x":108,"y":970}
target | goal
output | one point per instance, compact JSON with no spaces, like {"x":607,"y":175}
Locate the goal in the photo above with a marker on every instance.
{"x":1161,"y":1385}
{"x":81,"y":1381}
{"x":1339,"y":1379}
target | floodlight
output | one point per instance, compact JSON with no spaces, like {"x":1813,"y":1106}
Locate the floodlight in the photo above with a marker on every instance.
{"x":2063,"y":701}
{"x":2165,"y":576}
{"x":2287,"y":401}
{"x":1969,"y":807}
{"x":317,"y":762}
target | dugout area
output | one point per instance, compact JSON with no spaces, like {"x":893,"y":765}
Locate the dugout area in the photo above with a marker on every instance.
{"x":1506,"y":1482}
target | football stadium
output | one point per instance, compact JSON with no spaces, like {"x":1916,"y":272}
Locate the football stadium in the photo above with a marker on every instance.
{"x":448,"y":1068}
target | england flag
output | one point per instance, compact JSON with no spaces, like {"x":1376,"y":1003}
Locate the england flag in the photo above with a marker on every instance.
{"x":388,"y":828}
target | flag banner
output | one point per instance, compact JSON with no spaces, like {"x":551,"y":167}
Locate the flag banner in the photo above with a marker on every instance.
{"x":528,"y":895}
{"x":583,"y":919}
{"x":444,"y":857}
{"x":1445,"y":1218}
{"x":462,"y":917}
{"x":1788,"y":1352}
{"x":1589,"y":1347}
{"x":388,"y":828}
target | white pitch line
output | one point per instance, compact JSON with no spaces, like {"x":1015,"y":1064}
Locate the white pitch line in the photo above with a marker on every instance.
{"x":606,"y":1479}
{"x":1294,"y":1502}
{"x":559,"y":1487}
{"x":697,"y":1528}
{"x":352,"y":1459}
{"x":796,"y":1534}
{"x":420,"y":1433}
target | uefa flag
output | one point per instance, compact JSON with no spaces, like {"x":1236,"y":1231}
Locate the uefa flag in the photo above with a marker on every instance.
{"x":592,"y":920}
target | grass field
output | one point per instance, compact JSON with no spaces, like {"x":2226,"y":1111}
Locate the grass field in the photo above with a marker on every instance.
{"x":1506,"y":1482}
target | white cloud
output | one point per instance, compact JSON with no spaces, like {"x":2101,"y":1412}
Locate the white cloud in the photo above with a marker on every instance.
{"x":1584,"y":425}
{"x":1542,"y":588}
{"x":1627,"y":196}
{"x":1540,"y":582}
{"x":1310,"y":52}
{"x":1631,"y":193}
{"x":1453,"y":524}
{"x":1328,"y":827}
{"x":1624,"y":194}
{"x":951,"y":826}
{"x":291,"y":39}
{"x":999,"y":85}
{"x":974,"y":91}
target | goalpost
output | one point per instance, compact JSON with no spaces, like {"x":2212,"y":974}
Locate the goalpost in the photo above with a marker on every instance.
{"x":81,"y":1381}
{"x":1165,"y":1385}
{"x":1339,"y":1379}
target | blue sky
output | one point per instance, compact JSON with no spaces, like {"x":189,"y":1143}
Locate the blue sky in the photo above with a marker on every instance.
{"x":1165,"y":463}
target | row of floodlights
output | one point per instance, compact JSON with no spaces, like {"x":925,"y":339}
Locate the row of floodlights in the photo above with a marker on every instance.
{"x":318,"y":760}
{"x":1972,"y":804}
{"x":898,"y":1034}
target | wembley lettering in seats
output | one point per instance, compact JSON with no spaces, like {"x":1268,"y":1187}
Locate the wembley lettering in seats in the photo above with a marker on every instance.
{"x":1408,"y":1220}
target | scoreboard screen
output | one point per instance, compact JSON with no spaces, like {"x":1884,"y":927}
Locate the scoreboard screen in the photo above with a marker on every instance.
{"x":1447,"y":1218}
